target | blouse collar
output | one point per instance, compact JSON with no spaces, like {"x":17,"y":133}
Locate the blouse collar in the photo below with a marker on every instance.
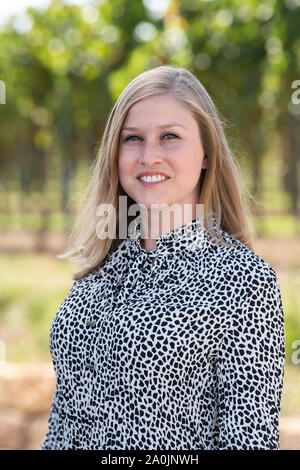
{"x":190,"y":235}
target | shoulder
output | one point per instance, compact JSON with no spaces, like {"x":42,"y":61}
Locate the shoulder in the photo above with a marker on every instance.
{"x":85,"y":284}
{"x":240,"y":261}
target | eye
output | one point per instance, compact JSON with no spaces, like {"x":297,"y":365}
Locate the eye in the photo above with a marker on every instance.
{"x":173,"y":135}
{"x":130,"y":136}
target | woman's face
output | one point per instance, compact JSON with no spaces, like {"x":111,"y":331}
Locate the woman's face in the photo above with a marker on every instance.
{"x":165,"y":140}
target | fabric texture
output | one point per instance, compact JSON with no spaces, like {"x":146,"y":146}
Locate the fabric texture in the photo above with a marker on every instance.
{"x":186,"y":353}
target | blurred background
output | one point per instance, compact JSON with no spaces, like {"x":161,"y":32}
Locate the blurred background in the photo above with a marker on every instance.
{"x":62,"y":66}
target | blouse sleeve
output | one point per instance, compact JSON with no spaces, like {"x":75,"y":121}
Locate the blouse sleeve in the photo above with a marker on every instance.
{"x":251,"y":369}
{"x":49,"y":441}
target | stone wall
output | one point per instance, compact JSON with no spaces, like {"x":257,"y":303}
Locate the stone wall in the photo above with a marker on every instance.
{"x":26,"y":392}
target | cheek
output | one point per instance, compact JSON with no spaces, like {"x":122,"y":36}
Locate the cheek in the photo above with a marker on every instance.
{"x":187,"y":171}
{"x":123,"y":163}
{"x":185,"y":165}
{"x":185,"y":157}
{"x":127,"y":157}
{"x":125,"y":170}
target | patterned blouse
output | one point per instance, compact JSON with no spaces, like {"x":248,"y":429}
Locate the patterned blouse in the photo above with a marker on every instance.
{"x":185,"y":353}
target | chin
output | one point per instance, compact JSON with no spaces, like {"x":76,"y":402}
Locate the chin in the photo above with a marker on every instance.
{"x":159,"y":205}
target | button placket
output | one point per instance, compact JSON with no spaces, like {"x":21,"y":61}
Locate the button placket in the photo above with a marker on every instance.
{"x":104,"y":352}
{"x":118,"y":287}
{"x":92,"y":364}
{"x":92,"y":324}
{"x":134,"y":285}
{"x":137,"y":270}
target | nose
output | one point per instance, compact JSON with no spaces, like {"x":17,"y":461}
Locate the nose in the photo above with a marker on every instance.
{"x":150,"y":154}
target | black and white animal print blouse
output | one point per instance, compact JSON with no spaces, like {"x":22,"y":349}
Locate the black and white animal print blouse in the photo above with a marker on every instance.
{"x":185,"y":353}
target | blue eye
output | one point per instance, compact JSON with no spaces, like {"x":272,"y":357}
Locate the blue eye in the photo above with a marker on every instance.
{"x":130,"y":136}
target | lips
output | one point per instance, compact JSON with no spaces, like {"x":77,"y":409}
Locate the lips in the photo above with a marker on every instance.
{"x":152,"y":173}
{"x":153,"y":183}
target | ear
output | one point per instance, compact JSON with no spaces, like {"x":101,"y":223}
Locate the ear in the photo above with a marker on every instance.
{"x":204,"y":162}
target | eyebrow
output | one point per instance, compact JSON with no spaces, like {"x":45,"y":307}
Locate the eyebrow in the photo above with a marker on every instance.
{"x":170,"y":124}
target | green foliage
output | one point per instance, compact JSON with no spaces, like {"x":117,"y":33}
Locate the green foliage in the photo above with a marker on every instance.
{"x":64,"y":74}
{"x":282,"y":225}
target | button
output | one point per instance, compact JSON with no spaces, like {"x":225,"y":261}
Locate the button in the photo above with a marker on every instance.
{"x":90,"y":366}
{"x":133,"y":286}
{"x":90,"y":323}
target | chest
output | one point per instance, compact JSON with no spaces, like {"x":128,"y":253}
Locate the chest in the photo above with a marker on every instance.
{"x":164,"y":332}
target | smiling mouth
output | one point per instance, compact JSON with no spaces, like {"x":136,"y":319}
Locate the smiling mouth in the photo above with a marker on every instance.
{"x":149,"y":183}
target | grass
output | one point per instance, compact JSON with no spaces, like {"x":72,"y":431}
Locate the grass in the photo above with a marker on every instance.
{"x":30,"y":293}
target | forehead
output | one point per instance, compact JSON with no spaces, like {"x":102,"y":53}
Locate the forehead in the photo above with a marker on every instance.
{"x":159,"y":110}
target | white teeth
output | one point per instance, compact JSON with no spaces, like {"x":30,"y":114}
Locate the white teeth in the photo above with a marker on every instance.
{"x":150,"y":179}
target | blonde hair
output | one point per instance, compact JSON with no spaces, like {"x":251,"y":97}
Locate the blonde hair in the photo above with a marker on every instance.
{"x":221,"y":184}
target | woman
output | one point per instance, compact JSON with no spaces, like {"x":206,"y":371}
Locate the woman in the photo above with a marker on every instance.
{"x":173,"y":340}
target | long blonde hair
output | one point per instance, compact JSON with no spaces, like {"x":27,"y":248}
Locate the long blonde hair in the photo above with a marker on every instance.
{"x":221,"y":184}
